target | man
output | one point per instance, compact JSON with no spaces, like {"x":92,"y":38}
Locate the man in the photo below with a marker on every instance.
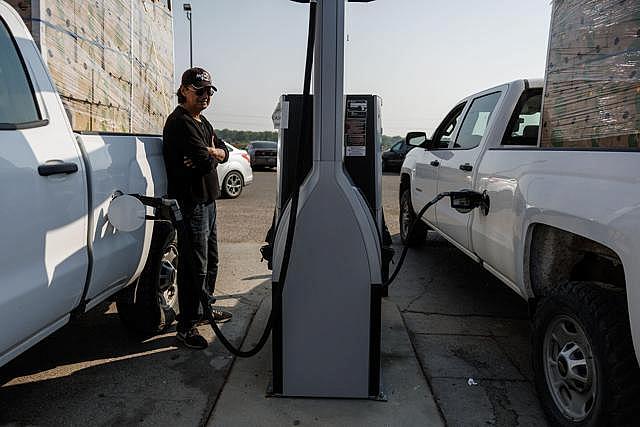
{"x":192,"y":152}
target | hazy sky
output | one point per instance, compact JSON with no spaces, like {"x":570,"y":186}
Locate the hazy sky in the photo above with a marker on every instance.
{"x":420,"y":56}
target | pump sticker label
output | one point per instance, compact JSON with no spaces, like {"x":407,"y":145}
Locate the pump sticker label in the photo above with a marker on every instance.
{"x":355,"y":128}
{"x":280,"y":116}
{"x":356,"y":152}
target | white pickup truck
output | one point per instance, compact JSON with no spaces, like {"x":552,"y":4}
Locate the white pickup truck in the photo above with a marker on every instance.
{"x":59,"y":255}
{"x":561,"y":230}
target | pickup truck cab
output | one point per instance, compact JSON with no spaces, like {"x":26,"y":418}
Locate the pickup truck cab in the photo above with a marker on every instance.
{"x":59,"y":255}
{"x":561,"y":231}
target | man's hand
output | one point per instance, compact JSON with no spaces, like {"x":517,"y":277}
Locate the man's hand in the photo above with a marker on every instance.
{"x":218,"y":153}
{"x":188,"y":162}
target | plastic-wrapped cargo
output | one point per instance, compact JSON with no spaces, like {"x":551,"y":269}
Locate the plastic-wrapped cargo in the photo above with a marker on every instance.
{"x":111,"y":60}
{"x":152,"y":54}
{"x":592,"y":85}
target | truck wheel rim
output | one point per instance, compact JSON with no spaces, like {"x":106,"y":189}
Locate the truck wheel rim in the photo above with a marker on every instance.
{"x":234,"y":184}
{"x":169,"y":276}
{"x":406,"y":217}
{"x":570,"y":368}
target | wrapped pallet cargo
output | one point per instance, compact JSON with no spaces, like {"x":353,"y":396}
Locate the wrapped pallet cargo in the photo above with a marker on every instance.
{"x":111,"y":60}
{"x":592,"y":86}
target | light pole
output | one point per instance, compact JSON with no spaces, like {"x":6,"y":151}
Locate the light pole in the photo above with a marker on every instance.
{"x":187,"y":9}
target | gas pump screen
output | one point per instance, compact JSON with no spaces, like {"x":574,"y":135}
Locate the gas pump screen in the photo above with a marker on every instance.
{"x":355,"y":128}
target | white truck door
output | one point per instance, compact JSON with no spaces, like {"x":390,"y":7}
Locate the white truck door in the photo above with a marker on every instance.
{"x":459,"y":160}
{"x":497,"y":237}
{"x":43,"y":208}
{"x":428,"y":163}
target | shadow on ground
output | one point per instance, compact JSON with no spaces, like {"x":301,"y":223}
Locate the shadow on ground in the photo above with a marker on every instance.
{"x":93,"y":372}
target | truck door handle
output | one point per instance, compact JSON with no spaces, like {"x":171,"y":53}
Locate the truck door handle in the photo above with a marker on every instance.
{"x":435,"y":163}
{"x":57,"y":168}
{"x":466,"y":167}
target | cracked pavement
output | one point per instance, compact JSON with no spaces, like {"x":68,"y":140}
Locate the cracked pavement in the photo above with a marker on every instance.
{"x":466,"y":327}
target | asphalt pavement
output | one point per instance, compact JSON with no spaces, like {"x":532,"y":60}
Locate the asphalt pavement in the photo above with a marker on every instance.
{"x":466,"y":342}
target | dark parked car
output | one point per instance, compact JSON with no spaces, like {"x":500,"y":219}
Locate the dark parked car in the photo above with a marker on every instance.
{"x":393,"y":157}
{"x":263,"y":153}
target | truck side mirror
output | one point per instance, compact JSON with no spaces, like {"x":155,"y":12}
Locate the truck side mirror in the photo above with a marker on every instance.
{"x":126,"y":213}
{"x":418,"y":139}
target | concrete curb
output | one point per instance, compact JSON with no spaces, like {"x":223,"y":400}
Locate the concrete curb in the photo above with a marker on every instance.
{"x":243,"y":401}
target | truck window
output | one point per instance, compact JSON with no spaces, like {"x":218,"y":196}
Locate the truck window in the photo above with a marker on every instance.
{"x":17,"y":104}
{"x":442,"y":135}
{"x":475,"y":122}
{"x":525,"y":123}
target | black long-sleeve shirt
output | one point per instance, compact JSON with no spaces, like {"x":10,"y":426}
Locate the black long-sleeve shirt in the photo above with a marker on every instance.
{"x":183,"y":136}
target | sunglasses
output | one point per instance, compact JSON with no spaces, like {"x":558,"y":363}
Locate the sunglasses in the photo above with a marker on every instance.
{"x":202,"y":91}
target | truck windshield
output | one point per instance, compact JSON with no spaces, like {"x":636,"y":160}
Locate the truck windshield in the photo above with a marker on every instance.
{"x":17,"y":105}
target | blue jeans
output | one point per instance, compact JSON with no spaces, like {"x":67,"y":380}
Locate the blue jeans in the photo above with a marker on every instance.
{"x":197,"y":262}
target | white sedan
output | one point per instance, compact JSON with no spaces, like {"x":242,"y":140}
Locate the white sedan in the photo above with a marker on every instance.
{"x":234,"y":174}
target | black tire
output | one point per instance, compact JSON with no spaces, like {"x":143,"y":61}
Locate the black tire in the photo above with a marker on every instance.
{"x":407,"y":217}
{"x":232,"y":185}
{"x":587,"y":325}
{"x":150,"y":306}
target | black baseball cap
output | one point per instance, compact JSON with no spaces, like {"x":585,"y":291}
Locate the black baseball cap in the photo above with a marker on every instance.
{"x":198,"y":78}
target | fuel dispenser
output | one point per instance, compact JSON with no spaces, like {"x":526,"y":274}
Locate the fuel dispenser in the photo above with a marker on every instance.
{"x":358,"y":161}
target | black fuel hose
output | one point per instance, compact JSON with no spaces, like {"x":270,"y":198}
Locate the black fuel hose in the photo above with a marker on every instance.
{"x":411,"y":227}
{"x":304,"y":137}
{"x":178,"y":221}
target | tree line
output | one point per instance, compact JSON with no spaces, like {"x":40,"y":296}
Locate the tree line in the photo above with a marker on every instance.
{"x":240,"y":138}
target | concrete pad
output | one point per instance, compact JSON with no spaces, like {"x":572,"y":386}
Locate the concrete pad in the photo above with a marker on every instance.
{"x":432,"y":283}
{"x":464,"y":357}
{"x":422,"y":323}
{"x":395,"y":338}
{"x":410,"y":401}
{"x":501,"y":403}
{"x":518,"y":348}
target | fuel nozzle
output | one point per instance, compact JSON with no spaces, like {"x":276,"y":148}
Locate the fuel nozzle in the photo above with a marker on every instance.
{"x":173,"y":205}
{"x":464,"y":201}
{"x":167,"y":207}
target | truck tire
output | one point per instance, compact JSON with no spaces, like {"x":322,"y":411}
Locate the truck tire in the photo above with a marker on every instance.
{"x":232,"y":185}
{"x":407,"y":216}
{"x":151,"y":305}
{"x":586,"y":371}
